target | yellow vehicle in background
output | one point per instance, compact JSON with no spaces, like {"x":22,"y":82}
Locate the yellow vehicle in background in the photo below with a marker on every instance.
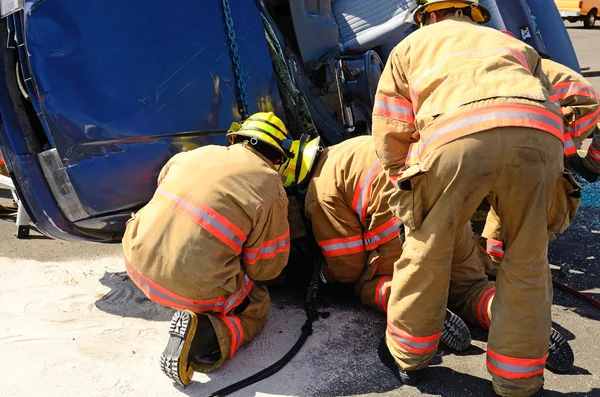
{"x":576,"y":10}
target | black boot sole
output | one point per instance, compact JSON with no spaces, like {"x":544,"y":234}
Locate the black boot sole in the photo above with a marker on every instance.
{"x":174,"y":360}
{"x":455,"y":334}
{"x":560,"y":355}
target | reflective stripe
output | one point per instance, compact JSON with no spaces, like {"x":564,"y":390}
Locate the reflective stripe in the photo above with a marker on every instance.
{"x":396,"y":108}
{"x":329,"y":272}
{"x":582,"y":124}
{"x":362,"y":194}
{"x":165,"y":297}
{"x":382,"y":292}
{"x":237,"y":298}
{"x":573,"y":88}
{"x":381,"y":234}
{"x":413,"y":344}
{"x":494,"y":248}
{"x":234,"y":325}
{"x":267,"y":250}
{"x":342,"y":246}
{"x":477,"y":120}
{"x":204,"y":216}
{"x":482,"y":308}
{"x":593,"y":153}
{"x":570,"y":148}
{"x":514,"y":368}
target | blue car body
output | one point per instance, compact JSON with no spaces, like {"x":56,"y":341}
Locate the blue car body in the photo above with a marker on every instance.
{"x":96,"y":96}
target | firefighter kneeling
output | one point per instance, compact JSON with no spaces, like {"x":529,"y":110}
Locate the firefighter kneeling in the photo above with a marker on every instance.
{"x":216,"y":226}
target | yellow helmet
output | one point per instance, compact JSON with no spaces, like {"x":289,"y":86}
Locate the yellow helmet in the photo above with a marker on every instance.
{"x":479,"y":13}
{"x":297,"y":168}
{"x":266,"y":128}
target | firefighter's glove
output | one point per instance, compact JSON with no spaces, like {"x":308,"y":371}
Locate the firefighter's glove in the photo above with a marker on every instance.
{"x":575,"y":164}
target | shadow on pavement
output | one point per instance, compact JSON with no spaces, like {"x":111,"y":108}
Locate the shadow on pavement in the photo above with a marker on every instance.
{"x":126,"y":300}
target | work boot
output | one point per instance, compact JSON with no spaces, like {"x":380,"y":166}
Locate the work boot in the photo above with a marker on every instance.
{"x":174,"y":360}
{"x":560,"y":355}
{"x":192,"y":342}
{"x":411,"y":378}
{"x":455,"y":334}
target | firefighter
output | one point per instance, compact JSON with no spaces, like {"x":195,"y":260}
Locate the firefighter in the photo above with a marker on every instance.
{"x":462,"y":113}
{"x":347,"y":205}
{"x":580,"y":108}
{"x":215,"y":228}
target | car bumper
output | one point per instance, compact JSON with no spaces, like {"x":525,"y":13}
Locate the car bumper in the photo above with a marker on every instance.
{"x":569,"y":14}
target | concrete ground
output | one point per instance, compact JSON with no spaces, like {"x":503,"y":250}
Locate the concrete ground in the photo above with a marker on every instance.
{"x":72,"y":323}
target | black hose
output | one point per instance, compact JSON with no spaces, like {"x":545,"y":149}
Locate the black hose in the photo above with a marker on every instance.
{"x":311,"y":316}
{"x":265,"y":373}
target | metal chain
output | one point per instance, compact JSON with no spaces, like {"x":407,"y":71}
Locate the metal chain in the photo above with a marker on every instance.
{"x":235,"y":57}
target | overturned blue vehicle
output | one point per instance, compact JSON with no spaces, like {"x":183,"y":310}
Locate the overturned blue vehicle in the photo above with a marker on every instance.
{"x":96,"y":96}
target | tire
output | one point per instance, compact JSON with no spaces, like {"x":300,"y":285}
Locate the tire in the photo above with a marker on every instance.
{"x":590,"y":19}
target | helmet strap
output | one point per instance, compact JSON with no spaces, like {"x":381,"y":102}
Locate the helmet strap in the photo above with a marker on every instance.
{"x":459,"y":13}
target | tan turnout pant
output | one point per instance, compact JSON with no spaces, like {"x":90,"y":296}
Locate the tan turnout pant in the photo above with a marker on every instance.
{"x":237,"y":328}
{"x":518,"y":170}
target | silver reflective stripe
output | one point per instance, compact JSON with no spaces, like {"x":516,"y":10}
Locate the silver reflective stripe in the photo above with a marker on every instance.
{"x":380,"y":292}
{"x":237,"y":332}
{"x":416,"y":345}
{"x":241,"y":292}
{"x":515,"y":368}
{"x":373,"y":240}
{"x":202,"y":214}
{"x":364,"y":189}
{"x":495,"y":249}
{"x":201,"y":307}
{"x":266,"y":250}
{"x":491,"y":116}
{"x":578,"y":88}
{"x":345,"y":245}
{"x":585,"y":124}
{"x":482,"y":304}
{"x":394,"y":108}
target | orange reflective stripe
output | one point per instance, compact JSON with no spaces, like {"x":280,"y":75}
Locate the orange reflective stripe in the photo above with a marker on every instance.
{"x":582,"y":124}
{"x":204,"y":216}
{"x":396,"y":108}
{"x":381,"y":234}
{"x":569,"y":145}
{"x":165,"y":297}
{"x":382,"y":292}
{"x":593,"y":153}
{"x":494,"y":248}
{"x":362,"y":194}
{"x":481,"y":119}
{"x":234,"y":325}
{"x":267,"y":250}
{"x":520,"y":57}
{"x":329,"y":272}
{"x":342,"y":246}
{"x":482,"y":308}
{"x":413,"y":344}
{"x":514,"y":368}
{"x":572,"y":88}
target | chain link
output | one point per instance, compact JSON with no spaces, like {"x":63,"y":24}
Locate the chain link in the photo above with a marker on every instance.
{"x":235,"y":57}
